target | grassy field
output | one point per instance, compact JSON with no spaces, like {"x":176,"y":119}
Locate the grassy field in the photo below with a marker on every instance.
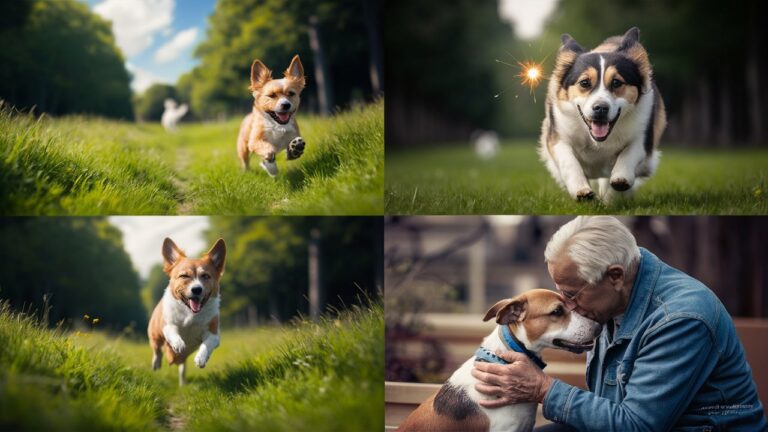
{"x":86,"y":166}
{"x":452,"y":180}
{"x":324,"y":376}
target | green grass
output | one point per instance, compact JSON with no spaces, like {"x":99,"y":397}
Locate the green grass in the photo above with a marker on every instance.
{"x":308,"y":376}
{"x":452,"y":180}
{"x":87,"y":166}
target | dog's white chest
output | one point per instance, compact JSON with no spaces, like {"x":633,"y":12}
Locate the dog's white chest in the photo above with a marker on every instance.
{"x":279,"y":135}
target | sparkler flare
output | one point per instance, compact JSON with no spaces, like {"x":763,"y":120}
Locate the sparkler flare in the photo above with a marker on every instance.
{"x":530,"y":74}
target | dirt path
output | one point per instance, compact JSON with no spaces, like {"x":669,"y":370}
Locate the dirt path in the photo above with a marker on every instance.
{"x":182,"y":184}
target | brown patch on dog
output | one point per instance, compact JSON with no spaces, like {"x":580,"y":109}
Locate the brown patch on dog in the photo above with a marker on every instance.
{"x":518,"y":311}
{"x":213,"y":326}
{"x":426,"y":419}
{"x":576,"y":90}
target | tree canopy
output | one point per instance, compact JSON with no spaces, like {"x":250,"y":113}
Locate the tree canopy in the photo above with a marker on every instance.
{"x":61,"y":58}
{"x":78,"y":264}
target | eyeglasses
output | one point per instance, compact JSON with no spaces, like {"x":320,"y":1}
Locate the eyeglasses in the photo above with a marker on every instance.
{"x":570,"y":299}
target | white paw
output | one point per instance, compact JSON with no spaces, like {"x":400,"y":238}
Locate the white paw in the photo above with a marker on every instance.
{"x":622,"y":183}
{"x":269,"y":167}
{"x":201,"y":358}
{"x":177,"y":345}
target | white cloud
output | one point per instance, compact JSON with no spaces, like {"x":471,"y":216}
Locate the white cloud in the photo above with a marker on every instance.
{"x":171,"y":50}
{"x":143,"y":237}
{"x":136,"y":22}
{"x":142,"y":79}
{"x":528,"y":16}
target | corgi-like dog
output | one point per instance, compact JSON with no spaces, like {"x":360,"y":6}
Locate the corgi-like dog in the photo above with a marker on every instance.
{"x":604,"y":117}
{"x":271,"y":126}
{"x":187,"y":316}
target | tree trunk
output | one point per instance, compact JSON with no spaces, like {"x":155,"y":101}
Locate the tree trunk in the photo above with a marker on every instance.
{"x":372,"y":14}
{"x":322,"y":76}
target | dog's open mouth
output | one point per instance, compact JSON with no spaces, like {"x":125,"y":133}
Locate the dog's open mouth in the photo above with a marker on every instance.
{"x":573,"y":346}
{"x":280,"y":117}
{"x":195,"y":303}
{"x":599,"y":129}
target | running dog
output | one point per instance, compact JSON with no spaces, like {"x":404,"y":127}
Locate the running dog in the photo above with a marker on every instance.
{"x":604,"y":118}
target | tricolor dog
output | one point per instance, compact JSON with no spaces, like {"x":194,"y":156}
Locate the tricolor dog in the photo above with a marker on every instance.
{"x":271,"y":126}
{"x":604,"y":118}
{"x":187,"y":317}
{"x":528,"y":323}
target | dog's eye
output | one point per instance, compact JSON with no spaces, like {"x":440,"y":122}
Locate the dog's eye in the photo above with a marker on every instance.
{"x":205,"y":276}
{"x":616,"y":83}
{"x":291,"y":94}
{"x":585,"y":84}
{"x":271,"y":95}
{"x":184,"y":276}
{"x":557,"y":312}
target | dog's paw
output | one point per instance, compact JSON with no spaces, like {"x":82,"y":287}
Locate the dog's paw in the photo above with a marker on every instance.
{"x":295,"y":148}
{"x":201,"y":358}
{"x":585,"y":194}
{"x":270,"y":167}
{"x":620,"y":184}
{"x":177,"y":345}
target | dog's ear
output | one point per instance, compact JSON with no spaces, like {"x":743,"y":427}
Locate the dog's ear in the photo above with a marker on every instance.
{"x":631,"y":37}
{"x":171,"y":254}
{"x":217,"y":255}
{"x":295,"y":70}
{"x":570,"y":44}
{"x":260,"y":75}
{"x":508,"y":310}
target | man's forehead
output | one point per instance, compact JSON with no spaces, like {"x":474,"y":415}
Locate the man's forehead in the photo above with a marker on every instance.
{"x":563,"y":267}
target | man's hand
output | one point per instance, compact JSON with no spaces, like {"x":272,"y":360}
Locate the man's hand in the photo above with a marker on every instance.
{"x":519,"y":381}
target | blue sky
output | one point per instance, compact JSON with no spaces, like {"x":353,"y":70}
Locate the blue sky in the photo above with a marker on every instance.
{"x":157,"y":37}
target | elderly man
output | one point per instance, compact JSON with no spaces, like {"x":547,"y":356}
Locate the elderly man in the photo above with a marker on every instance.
{"x":668,"y":356}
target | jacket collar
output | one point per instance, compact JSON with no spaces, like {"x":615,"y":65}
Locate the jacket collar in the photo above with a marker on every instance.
{"x":642,"y":291}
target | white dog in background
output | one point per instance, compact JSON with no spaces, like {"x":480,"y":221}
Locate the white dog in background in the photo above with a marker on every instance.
{"x":172,"y":114}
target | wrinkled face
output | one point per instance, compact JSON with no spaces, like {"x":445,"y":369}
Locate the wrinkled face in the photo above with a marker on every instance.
{"x":545,"y":321}
{"x":194,"y":281}
{"x":602,"y":85}
{"x":279,"y":98}
{"x":596,"y":302}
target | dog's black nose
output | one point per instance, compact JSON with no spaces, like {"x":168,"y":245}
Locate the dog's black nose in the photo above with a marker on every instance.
{"x":197,"y":290}
{"x":285,"y":106}
{"x":600,"y":109}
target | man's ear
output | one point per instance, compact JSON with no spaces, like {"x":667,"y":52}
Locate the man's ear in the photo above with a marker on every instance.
{"x":616,"y":274}
{"x":171,"y":254}
{"x":260,"y":75}
{"x":218,"y":255}
{"x":508,"y":310}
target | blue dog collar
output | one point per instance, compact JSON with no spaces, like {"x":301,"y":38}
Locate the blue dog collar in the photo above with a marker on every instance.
{"x":485,"y":355}
{"x":513,"y":344}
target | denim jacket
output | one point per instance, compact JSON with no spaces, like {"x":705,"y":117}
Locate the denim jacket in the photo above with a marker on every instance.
{"x":675,"y":362}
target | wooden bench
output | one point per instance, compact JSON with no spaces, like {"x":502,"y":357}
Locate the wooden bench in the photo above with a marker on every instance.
{"x":461,"y":334}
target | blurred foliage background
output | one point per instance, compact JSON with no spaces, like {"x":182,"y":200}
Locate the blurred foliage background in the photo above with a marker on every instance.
{"x":709,"y":59}
{"x":61,"y":58}
{"x":71,"y":267}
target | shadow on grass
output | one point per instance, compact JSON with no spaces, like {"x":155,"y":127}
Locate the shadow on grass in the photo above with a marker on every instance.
{"x":323,"y":165}
{"x":246,"y":376}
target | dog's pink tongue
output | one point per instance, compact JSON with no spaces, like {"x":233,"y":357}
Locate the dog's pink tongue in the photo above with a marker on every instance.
{"x":194,"y":305}
{"x":599,"y":130}
{"x":283,"y":116}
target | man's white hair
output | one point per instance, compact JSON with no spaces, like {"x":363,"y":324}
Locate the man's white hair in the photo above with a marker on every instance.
{"x":594,"y":243}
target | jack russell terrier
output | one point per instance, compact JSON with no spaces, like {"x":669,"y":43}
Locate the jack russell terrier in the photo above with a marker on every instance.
{"x":528,"y":323}
{"x":187,"y":317}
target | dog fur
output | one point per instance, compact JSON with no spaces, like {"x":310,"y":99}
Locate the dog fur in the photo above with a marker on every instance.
{"x":187,"y":316}
{"x":604,"y":117}
{"x":271,"y":127}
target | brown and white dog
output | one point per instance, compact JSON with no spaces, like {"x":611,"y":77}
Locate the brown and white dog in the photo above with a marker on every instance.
{"x":187,"y":317}
{"x":604,"y":118}
{"x":271,"y":126}
{"x":528,"y":323}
